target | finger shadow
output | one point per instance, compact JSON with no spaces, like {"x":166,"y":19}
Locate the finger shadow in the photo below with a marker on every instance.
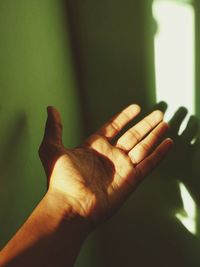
{"x":182,"y":162}
{"x":148,"y":224}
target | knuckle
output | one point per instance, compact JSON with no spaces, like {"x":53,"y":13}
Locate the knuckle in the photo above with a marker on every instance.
{"x":144,"y":146}
{"x":121,"y":146}
{"x":115,"y":125}
{"x":148,"y":123}
{"x":136,"y":134}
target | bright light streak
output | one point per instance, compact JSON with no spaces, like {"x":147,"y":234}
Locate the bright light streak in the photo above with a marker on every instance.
{"x":175,"y":73}
{"x":174,"y":54}
{"x":189,"y":218}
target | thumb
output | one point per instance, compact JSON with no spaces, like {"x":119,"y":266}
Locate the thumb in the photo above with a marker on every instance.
{"x":52,"y":139}
{"x":53,"y":128}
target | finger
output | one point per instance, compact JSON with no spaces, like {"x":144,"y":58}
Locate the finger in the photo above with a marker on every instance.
{"x":116,"y":124}
{"x":191,"y":129}
{"x":135,"y":134}
{"x":150,"y":162}
{"x":161,"y":106}
{"x":53,"y":128}
{"x":141,"y":150}
{"x":177,"y":120}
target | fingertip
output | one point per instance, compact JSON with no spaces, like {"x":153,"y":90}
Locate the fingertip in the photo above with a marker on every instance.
{"x":159,"y":114}
{"x":169,"y":142}
{"x":53,"y":112}
{"x":183,"y":110}
{"x":162,"y":105}
{"x":135,"y":108}
{"x":162,"y":128}
{"x":50,"y":109}
{"x":167,"y":127}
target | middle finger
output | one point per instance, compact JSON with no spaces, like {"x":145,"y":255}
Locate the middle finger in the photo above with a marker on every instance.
{"x":136,"y":133}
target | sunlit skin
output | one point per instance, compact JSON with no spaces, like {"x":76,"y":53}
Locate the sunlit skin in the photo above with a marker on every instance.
{"x":85,"y":186}
{"x":96,"y":178}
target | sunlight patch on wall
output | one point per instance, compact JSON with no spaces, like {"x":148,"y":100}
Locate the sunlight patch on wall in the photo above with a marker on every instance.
{"x":174,"y":46}
{"x":188,"y":217}
{"x":174,"y":54}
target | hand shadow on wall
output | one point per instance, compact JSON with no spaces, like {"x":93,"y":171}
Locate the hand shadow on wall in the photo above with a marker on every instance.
{"x":146,"y":232}
{"x":11,"y":174}
{"x":183,"y":163}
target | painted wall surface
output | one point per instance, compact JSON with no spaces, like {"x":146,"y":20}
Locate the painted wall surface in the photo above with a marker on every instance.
{"x":90,"y":58}
{"x":36,"y":70}
{"x":111,"y":48}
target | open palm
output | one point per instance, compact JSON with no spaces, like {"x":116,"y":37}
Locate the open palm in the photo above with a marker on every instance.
{"x":96,"y":177}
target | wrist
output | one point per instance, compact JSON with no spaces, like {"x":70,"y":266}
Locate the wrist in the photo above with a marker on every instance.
{"x":51,"y":236}
{"x":64,"y":213}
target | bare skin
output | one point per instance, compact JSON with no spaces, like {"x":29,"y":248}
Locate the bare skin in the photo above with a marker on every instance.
{"x":86,"y":185}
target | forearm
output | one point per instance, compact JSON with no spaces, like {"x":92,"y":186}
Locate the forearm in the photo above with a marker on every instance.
{"x":52,"y":236}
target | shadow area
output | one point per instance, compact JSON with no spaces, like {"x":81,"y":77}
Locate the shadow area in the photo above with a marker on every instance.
{"x":159,"y":224}
{"x":12,"y":161}
{"x":184,"y":161}
{"x":112,"y":45}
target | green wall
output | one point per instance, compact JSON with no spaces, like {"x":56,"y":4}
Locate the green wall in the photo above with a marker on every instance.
{"x":88,"y":58}
{"x":36,"y":70}
{"x":111,"y":49}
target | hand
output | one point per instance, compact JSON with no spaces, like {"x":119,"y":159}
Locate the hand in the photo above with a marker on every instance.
{"x":95,"y":178}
